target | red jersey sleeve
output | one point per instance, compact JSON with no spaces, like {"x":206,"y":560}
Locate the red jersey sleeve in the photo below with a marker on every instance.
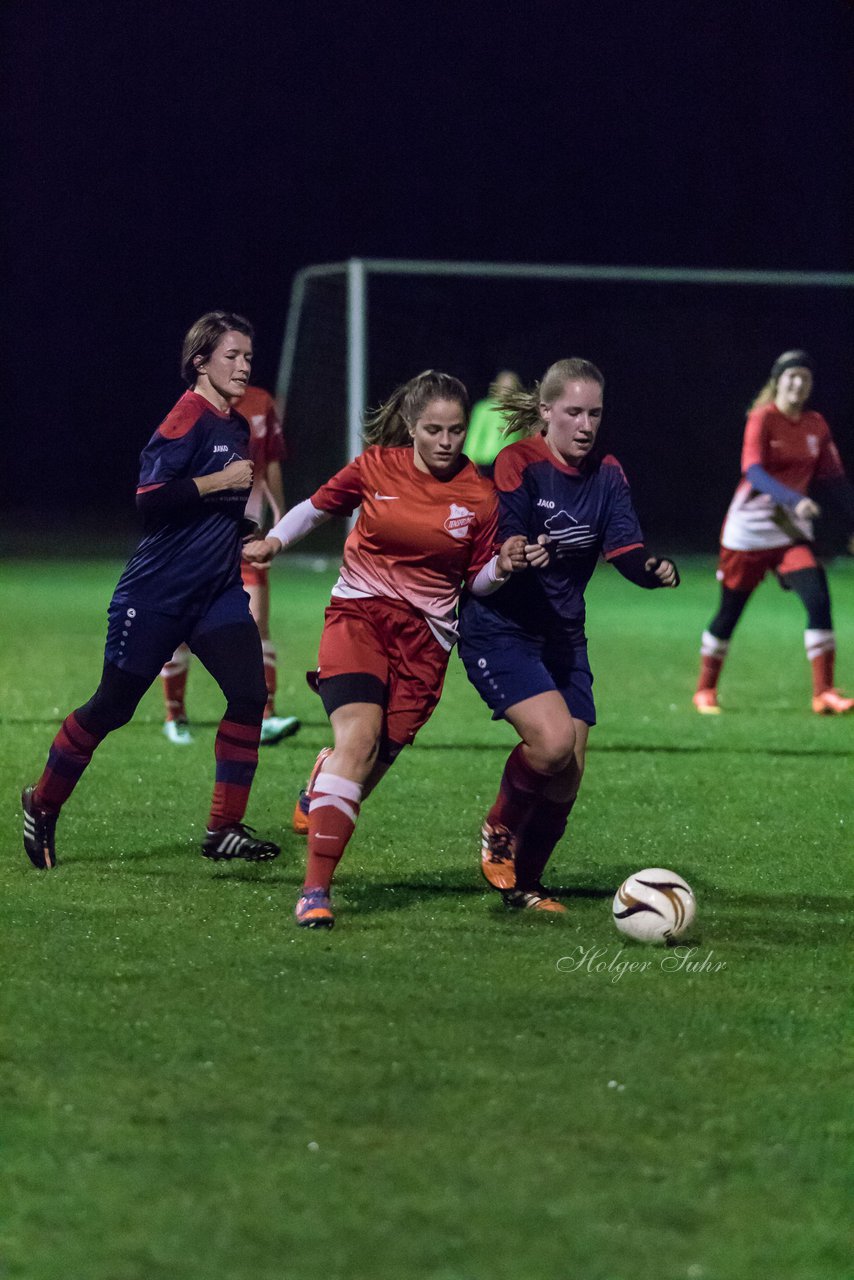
{"x":274,"y":439}
{"x":484,"y":542}
{"x":829,"y":465}
{"x":755,"y":448}
{"x":341,"y":495}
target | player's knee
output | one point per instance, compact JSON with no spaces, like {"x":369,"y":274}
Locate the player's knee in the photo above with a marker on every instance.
{"x":359,"y":747}
{"x":248,"y":708}
{"x":103,"y":713}
{"x":553,"y":752}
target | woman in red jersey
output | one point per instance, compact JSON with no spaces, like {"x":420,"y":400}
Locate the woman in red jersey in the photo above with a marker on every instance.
{"x":768,"y":527}
{"x":427,"y":524}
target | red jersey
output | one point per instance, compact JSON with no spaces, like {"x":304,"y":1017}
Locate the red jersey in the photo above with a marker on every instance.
{"x":796,"y":454}
{"x":417,"y":539}
{"x":266,"y":443}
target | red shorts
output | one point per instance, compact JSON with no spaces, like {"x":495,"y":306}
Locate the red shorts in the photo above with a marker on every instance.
{"x":254,"y":575}
{"x":744,"y":570}
{"x":392,"y":642}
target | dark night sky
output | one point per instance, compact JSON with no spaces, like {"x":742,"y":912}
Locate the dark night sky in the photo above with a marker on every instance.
{"x":162,"y":160}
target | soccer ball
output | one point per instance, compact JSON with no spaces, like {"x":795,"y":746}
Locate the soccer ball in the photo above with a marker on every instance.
{"x":654,"y":905}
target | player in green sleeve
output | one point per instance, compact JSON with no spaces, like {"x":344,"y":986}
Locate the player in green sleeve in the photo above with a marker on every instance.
{"x":484,"y":438}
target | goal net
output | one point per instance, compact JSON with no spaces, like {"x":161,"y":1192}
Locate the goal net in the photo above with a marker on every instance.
{"x":682,"y":351}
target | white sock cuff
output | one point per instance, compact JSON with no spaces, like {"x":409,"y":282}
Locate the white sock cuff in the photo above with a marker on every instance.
{"x":712,"y":647}
{"x":817,"y":642}
{"x":331,"y":784}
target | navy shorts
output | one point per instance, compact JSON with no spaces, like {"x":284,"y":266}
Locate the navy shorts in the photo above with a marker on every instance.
{"x":507,"y":673}
{"x":140,"y":640}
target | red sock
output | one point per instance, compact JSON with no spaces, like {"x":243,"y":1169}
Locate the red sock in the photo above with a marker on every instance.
{"x":236,"y":750}
{"x":537,"y":839}
{"x":332,"y":816}
{"x":174,"y":677}
{"x":269,"y":651}
{"x":821,"y":651}
{"x":521,"y":787}
{"x":70,"y":752}
{"x":710,"y":670}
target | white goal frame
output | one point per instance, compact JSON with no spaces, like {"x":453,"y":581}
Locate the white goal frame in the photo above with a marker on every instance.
{"x":357,"y":271}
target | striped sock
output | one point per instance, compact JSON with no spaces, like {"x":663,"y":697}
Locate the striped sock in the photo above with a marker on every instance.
{"x":332,"y":816}
{"x":538,"y":838}
{"x":520,"y":789}
{"x":236,"y":750}
{"x":821,"y":651}
{"x":712,"y":655}
{"x":70,"y":753}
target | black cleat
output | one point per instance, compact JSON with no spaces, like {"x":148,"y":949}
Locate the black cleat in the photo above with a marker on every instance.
{"x":238,"y":841}
{"x":39,"y":831}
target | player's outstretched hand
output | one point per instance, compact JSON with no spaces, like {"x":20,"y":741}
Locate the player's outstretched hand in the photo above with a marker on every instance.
{"x":261,"y":550}
{"x":664,"y":570}
{"x":511,"y":557}
{"x":806,"y":509}
{"x":537,"y":553}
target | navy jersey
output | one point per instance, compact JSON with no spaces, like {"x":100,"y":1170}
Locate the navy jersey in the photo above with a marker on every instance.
{"x":585,"y":511}
{"x":191,"y":555}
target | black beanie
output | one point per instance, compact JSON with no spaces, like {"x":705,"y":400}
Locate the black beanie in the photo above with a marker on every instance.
{"x":791,"y":360}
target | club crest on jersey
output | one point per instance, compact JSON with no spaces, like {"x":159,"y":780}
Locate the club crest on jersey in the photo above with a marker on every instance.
{"x":812,"y":445}
{"x":457,"y":523}
{"x":568,"y":534}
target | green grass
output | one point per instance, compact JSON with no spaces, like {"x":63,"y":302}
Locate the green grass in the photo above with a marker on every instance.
{"x":194,"y":1090}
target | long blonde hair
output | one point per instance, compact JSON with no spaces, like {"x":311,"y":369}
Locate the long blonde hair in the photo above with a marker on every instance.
{"x":795,"y":359}
{"x":522,"y":408}
{"x":390,"y":423}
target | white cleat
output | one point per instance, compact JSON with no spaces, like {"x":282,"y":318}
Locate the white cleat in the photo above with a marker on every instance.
{"x":274,"y":728}
{"x":178,"y":731}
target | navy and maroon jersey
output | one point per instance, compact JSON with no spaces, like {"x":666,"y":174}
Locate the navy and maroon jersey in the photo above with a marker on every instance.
{"x":585,"y":511}
{"x":189,"y":554}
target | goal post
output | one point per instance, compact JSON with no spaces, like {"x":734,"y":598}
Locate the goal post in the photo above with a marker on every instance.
{"x":682,"y":350}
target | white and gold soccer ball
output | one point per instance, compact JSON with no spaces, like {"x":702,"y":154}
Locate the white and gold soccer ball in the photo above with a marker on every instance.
{"x":654,"y":905}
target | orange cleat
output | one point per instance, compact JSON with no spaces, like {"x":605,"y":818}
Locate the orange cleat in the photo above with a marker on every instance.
{"x":536,"y":899}
{"x":299,"y":821}
{"x":497,"y":854}
{"x":314,"y":910}
{"x":830,"y":702}
{"x":706,"y":702}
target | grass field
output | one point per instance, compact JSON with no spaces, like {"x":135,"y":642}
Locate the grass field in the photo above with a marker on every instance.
{"x":192,"y":1089}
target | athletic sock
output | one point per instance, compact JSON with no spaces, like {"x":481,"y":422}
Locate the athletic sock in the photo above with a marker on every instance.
{"x":712,"y":654}
{"x":236,"y":751}
{"x":174,"y":677}
{"x":520,"y":789}
{"x":821,"y":651}
{"x":269,"y":651}
{"x":332,"y":816}
{"x":70,"y":753}
{"x":537,"y":840}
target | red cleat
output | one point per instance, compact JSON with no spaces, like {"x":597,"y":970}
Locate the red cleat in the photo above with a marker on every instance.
{"x":536,"y":899}
{"x":830,"y":702}
{"x":706,"y":702}
{"x":497,"y":856}
{"x":314,"y":910}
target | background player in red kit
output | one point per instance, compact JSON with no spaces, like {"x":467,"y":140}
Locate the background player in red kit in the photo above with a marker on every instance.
{"x":768,"y":528}
{"x":266,"y":452}
{"x":181,"y":584}
{"x":524,"y":648}
{"x":427,"y":523}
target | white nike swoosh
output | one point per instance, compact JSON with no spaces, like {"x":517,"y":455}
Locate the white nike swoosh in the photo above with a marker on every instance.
{"x":385,"y":497}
